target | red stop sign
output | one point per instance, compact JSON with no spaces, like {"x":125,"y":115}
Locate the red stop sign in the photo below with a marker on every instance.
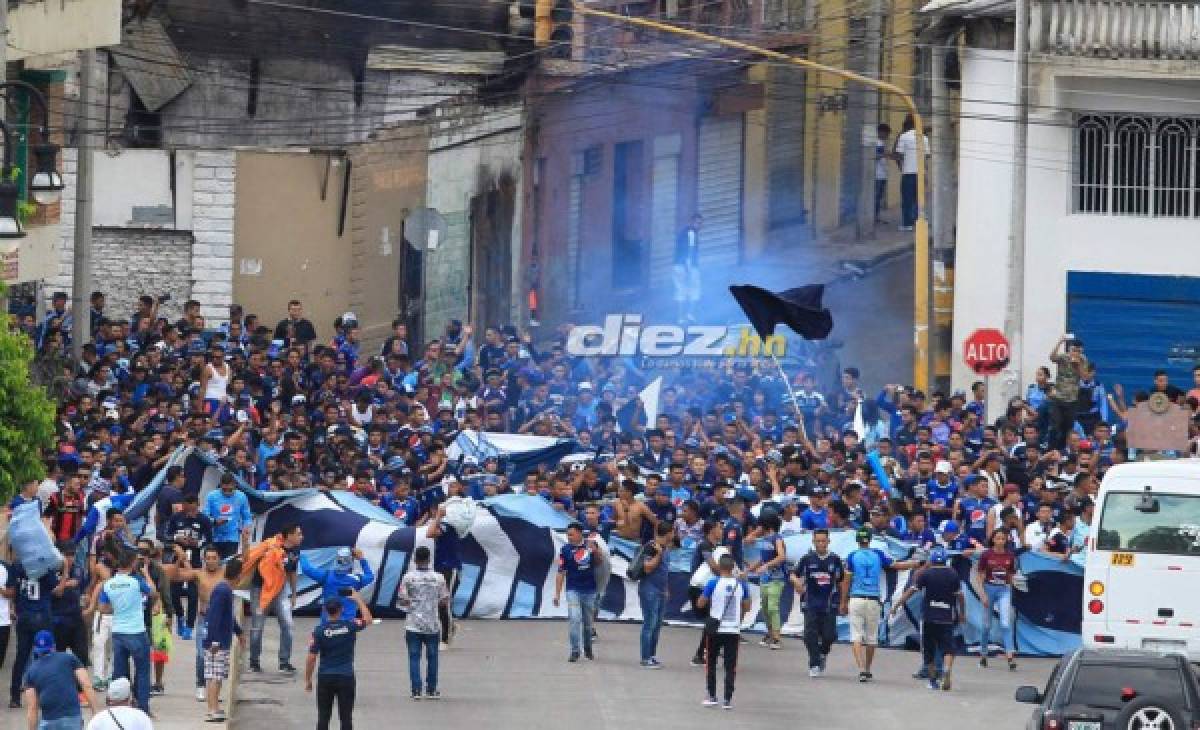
{"x":986,"y":351}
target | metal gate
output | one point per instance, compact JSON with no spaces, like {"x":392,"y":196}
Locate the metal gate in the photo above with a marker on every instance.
{"x":719,"y":190}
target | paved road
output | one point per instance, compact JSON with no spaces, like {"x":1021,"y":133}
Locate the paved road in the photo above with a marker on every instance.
{"x":513,"y":674}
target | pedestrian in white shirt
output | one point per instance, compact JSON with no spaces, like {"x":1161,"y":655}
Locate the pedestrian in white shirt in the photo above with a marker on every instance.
{"x":906,"y":157}
{"x":119,"y":715}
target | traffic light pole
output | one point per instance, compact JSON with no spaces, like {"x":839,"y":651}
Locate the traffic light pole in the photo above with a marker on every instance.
{"x":921,"y":265}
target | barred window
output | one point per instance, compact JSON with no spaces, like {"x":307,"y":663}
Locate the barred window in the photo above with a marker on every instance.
{"x":1136,"y":166}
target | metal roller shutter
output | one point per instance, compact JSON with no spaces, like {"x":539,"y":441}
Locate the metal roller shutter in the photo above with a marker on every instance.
{"x":719,"y":190}
{"x":785,"y":140}
{"x":1133,"y":324}
{"x":664,"y":208}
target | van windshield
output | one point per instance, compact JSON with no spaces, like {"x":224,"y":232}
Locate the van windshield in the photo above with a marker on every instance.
{"x":1174,"y":529}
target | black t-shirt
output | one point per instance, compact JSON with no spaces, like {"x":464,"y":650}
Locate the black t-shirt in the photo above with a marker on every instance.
{"x":821,"y":576}
{"x":198,"y":528}
{"x":334,"y":643}
{"x":941,"y":586}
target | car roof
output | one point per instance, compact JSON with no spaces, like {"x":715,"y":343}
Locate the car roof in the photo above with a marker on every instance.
{"x":1127,"y":657}
{"x":1180,"y":468}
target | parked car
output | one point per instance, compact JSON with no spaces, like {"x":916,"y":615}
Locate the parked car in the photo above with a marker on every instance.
{"x":1116,"y":690}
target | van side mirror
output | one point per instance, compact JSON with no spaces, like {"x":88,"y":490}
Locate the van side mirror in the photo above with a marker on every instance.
{"x":1029,"y":695}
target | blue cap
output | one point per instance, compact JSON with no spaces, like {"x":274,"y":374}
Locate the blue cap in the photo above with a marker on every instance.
{"x":970,"y":479}
{"x":43,"y":643}
{"x":939,"y":556}
{"x":949,"y":526}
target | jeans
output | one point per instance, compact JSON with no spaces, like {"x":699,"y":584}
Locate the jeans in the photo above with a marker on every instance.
{"x":999,"y":607}
{"x":330,"y":687}
{"x":200,"y":637}
{"x":27,"y":628}
{"x":75,"y":722}
{"x":654,"y":604}
{"x":880,"y":196}
{"x":180,"y":591}
{"x":137,"y":648}
{"x":581,"y":613}
{"x":908,"y":199}
{"x":772,"y":592}
{"x":282,"y":606}
{"x":416,"y":642}
{"x":820,"y":634}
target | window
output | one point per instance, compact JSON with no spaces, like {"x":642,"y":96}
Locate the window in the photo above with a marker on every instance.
{"x":1100,"y":685}
{"x":1174,"y":529}
{"x":1136,"y":166}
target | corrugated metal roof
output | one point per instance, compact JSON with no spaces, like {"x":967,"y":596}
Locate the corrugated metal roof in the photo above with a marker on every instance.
{"x":151,"y":63}
{"x":971,"y":8}
{"x":431,"y":60}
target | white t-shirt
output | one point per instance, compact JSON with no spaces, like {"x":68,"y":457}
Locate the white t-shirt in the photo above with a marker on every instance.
{"x":725,"y":597}
{"x":130,"y":718}
{"x":881,"y":161}
{"x":1036,"y":535}
{"x":906,"y":145}
{"x":793,"y":526}
{"x":47,"y":488}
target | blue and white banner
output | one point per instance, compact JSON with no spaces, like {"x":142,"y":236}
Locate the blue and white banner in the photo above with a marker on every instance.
{"x":510,"y":550}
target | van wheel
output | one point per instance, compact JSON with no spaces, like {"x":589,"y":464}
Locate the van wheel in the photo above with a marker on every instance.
{"x":1149,"y":713}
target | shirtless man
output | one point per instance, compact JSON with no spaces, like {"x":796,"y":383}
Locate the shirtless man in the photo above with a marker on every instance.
{"x":205,"y":578}
{"x":631,"y":512}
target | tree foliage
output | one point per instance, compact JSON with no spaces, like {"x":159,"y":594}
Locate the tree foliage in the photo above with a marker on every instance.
{"x":26,"y":413}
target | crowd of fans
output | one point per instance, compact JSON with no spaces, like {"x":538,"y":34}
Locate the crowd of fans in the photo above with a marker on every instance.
{"x":289,"y":406}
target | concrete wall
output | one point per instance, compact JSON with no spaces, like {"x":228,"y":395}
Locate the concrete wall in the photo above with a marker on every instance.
{"x":287,"y":244}
{"x":1056,"y":240}
{"x":62,"y":26}
{"x":129,"y":262}
{"x":133,"y":189}
{"x":470,"y":155}
{"x":388,"y":182}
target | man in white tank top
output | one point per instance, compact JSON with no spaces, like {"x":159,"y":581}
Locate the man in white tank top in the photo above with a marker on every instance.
{"x":214,"y":380}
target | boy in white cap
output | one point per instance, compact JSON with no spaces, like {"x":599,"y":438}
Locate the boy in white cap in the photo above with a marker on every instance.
{"x":119,"y":714}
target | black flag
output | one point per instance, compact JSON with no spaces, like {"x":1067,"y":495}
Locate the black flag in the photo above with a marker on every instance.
{"x":798,"y":308}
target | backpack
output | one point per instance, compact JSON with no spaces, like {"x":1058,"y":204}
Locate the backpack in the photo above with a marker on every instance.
{"x":637,"y":567}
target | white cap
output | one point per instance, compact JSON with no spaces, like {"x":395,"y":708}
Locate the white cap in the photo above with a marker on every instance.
{"x":119,"y":690}
{"x":585,"y":385}
{"x":943,"y":467}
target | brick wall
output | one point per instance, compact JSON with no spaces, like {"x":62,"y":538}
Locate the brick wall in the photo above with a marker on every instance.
{"x":211,"y":267}
{"x":129,"y":262}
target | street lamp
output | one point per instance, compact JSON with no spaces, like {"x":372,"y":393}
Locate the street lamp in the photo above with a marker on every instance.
{"x":46,"y":183}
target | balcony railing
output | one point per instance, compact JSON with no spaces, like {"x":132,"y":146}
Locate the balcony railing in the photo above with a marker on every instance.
{"x":1116,"y":28}
{"x":600,"y":43}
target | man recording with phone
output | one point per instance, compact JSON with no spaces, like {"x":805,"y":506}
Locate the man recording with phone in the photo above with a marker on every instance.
{"x":1072,"y":366}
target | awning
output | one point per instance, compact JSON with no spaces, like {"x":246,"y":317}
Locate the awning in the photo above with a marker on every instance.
{"x":152,"y":64}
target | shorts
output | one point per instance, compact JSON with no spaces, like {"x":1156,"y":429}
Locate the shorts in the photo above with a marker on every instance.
{"x":159,"y":657}
{"x":216,"y":664}
{"x":687,"y":283}
{"x":864,"y":620}
{"x":936,"y":638}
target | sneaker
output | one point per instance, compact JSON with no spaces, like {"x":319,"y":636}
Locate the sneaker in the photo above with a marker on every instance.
{"x":201,"y":694}
{"x":776,"y":645}
{"x":256,"y":667}
{"x":814,"y":672}
{"x":286,"y":667}
{"x":862,"y":677}
{"x":574,"y":657}
{"x":697,"y":661}
{"x":765,"y":643}
{"x":218,"y":716}
{"x":946,"y":684}
{"x":156,"y":689}
{"x":933,"y":684}
{"x":433,"y":694}
{"x":657,"y":664}
{"x":1012,"y":665}
{"x":869,"y":676}
{"x":921,"y":673}
{"x":710,"y":702}
{"x":416,"y":695}
{"x":595,"y":636}
{"x":648,"y":664}
{"x":588,"y":653}
{"x":727,"y":705}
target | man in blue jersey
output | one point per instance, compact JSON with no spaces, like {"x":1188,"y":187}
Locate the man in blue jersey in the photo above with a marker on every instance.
{"x":816,"y":579}
{"x":229,"y":511}
{"x":972,"y":509}
{"x":816,"y":516}
{"x":577,"y":561}
{"x":940,"y":493}
{"x":862,"y":587}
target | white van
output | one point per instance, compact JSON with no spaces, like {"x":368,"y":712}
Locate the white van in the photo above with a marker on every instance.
{"x":1142,"y":576}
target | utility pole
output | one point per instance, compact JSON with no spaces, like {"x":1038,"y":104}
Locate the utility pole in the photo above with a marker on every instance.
{"x":84,"y":183}
{"x":4,"y":77}
{"x":1014,"y":311}
{"x":873,"y":47}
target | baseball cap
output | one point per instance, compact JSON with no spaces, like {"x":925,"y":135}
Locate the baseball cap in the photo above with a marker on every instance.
{"x":43,"y":643}
{"x":119,"y":690}
{"x":943,"y":467}
{"x":938,"y":556}
{"x":863,"y":534}
{"x":344,"y":559}
{"x":950,"y":526}
{"x":585,"y":385}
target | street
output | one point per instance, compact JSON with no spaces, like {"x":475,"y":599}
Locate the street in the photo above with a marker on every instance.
{"x":514,"y":675}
